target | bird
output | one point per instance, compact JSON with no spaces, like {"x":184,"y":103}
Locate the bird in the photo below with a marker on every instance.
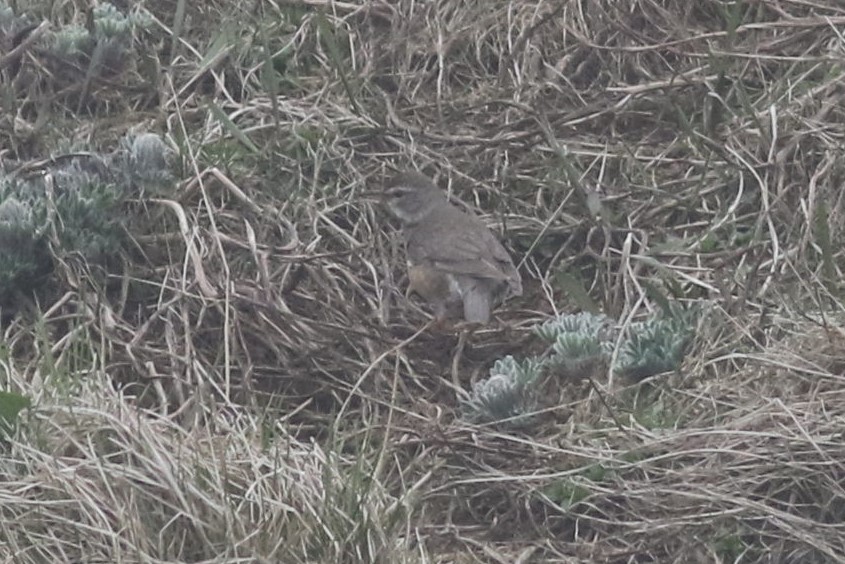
{"x":455,"y":263}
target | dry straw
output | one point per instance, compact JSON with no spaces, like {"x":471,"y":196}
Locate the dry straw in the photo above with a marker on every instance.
{"x":250,"y":384}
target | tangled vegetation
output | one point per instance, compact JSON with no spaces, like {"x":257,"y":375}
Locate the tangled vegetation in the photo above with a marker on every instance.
{"x":208,"y":354}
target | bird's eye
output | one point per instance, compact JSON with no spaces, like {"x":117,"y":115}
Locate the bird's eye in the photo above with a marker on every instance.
{"x":397,"y":191}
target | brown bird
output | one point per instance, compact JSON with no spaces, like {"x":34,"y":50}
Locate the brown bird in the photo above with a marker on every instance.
{"x":455,"y":262}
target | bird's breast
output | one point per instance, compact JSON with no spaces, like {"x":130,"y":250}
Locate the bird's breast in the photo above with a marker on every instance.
{"x":433,"y":284}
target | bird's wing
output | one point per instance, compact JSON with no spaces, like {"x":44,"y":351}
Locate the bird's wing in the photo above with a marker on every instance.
{"x":473,"y":251}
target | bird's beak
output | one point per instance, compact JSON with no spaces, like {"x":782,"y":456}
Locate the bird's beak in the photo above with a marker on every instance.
{"x":372,"y":196}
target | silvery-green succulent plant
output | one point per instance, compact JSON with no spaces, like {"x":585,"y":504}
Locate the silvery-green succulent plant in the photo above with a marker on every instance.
{"x":508,"y":394}
{"x":144,"y":161}
{"x":577,"y":342}
{"x":23,"y":253}
{"x":77,"y":208}
{"x":105,"y":46}
{"x":657,"y":344}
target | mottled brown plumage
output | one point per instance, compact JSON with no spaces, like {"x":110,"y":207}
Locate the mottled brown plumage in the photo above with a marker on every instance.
{"x":454,"y":261}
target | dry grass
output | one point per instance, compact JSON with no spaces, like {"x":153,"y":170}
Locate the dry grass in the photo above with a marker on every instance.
{"x":252,"y":386}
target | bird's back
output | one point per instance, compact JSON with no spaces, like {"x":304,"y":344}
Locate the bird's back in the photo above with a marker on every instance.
{"x":462,"y":244}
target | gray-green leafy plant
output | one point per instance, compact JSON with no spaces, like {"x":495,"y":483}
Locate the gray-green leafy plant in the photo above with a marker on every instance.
{"x":656,"y":345}
{"x":23,"y":253}
{"x":646,"y":348}
{"x":578,"y":343}
{"x":105,"y":45}
{"x":578,"y":340}
{"x":77,"y":208}
{"x":144,"y":163}
{"x":508,"y":394}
